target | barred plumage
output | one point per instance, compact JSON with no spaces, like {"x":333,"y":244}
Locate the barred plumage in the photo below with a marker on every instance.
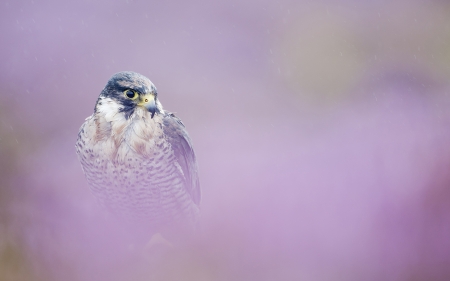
{"x":138,"y":158}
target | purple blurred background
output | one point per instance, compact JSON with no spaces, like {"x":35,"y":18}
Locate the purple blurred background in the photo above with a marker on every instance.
{"x":321,"y":130}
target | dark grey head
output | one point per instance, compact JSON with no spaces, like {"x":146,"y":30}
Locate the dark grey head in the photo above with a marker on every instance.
{"x":130,"y":90}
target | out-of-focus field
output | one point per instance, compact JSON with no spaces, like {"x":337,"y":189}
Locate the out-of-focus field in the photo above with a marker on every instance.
{"x":322,"y":132}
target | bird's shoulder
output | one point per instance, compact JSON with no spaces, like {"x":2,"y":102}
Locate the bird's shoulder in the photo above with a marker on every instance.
{"x":91,"y":128}
{"x":85,"y":130}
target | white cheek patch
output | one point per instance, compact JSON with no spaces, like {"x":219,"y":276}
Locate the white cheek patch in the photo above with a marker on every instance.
{"x":110,"y":110}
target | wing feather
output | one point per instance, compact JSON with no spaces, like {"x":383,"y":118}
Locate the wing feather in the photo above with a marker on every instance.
{"x":179,"y":139}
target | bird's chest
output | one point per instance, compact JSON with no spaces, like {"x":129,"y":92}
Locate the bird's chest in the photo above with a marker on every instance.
{"x":138,"y":170}
{"x":124,"y":155}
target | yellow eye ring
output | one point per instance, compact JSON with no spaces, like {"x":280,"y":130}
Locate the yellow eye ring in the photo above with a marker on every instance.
{"x":130,"y":94}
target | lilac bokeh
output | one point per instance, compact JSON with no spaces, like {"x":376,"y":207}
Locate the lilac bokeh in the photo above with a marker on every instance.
{"x":349,"y":185}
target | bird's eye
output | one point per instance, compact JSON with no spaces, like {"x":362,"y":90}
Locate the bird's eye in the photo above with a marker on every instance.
{"x":131,"y":94}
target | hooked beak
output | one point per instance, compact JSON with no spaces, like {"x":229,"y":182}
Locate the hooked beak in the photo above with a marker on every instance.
{"x":148,"y":101}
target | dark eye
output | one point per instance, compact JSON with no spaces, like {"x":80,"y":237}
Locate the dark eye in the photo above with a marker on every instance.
{"x":131,"y":94}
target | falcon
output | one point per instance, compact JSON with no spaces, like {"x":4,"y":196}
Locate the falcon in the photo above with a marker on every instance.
{"x":137,"y":157}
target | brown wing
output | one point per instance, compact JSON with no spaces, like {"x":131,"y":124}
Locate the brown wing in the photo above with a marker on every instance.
{"x":181,"y":143}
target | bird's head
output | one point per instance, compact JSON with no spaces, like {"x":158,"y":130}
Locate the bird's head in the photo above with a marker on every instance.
{"x":125,"y":92}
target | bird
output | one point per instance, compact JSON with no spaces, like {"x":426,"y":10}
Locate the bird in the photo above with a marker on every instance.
{"x":138,"y":158}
